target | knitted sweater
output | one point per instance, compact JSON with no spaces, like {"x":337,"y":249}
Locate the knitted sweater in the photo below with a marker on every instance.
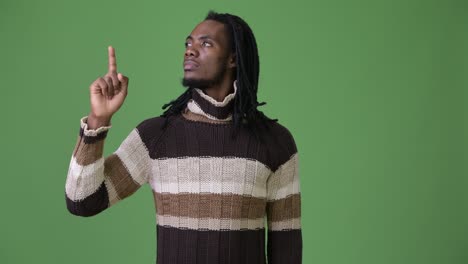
{"x":212,"y":193}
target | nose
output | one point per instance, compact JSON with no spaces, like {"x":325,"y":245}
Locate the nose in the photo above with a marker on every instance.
{"x":191,"y":52}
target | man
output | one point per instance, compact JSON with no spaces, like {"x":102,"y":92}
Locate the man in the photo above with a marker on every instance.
{"x":216,"y":165}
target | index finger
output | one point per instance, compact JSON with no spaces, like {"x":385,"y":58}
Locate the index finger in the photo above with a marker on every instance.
{"x":112,"y":60}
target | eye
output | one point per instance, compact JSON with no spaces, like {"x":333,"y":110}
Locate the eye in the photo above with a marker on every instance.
{"x":206,"y":44}
{"x":188,"y":44}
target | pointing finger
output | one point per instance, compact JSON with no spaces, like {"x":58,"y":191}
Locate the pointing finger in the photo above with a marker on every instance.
{"x":112,"y":60}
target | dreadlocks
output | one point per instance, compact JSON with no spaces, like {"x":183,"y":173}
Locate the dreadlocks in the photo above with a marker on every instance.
{"x":243,"y":44}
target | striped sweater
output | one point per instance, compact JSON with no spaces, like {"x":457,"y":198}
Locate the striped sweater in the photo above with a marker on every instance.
{"x":212,"y":193}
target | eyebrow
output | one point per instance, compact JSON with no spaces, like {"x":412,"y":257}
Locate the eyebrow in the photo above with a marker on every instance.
{"x":201,"y":37}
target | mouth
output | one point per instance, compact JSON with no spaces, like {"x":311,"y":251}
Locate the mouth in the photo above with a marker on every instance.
{"x":190,"y":65}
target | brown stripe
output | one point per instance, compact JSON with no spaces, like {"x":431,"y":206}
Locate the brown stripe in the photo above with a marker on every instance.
{"x":284,"y":209}
{"x":119,"y":176}
{"x":220,"y":112}
{"x":91,"y":205}
{"x":201,"y":118}
{"x":285,"y":246}
{"x":77,"y":145}
{"x":85,"y":153}
{"x":202,"y":139}
{"x":209,"y":205}
{"x":182,"y":246}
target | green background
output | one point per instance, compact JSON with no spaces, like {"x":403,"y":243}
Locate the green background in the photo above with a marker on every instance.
{"x":374,"y":93}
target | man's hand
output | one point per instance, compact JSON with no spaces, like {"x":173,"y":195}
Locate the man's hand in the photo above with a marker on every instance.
{"x":107,"y":94}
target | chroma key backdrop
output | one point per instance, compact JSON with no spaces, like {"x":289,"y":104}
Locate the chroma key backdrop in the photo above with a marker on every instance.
{"x":374,"y":93}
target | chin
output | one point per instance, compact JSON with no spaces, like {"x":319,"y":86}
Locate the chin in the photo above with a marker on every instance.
{"x":190,"y":75}
{"x":193,"y":82}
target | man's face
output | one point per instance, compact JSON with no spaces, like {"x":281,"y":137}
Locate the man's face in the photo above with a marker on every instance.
{"x":207,"y":60}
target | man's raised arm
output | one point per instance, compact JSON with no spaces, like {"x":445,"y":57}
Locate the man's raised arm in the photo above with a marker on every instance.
{"x":93,"y":182}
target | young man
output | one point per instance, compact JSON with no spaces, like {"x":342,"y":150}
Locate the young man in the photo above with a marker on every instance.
{"x":216,"y":165}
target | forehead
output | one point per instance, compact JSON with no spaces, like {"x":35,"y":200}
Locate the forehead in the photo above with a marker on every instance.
{"x":210,"y":28}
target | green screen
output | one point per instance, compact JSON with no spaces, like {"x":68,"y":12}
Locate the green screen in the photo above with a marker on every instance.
{"x":374,"y":93}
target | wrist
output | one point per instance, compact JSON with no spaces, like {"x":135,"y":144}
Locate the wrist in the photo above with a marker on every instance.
{"x":95,"y":122}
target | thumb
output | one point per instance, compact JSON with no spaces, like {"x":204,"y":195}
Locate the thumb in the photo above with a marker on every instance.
{"x":123,"y":79}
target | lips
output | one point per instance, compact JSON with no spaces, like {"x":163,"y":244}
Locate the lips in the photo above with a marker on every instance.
{"x":190,"y":65}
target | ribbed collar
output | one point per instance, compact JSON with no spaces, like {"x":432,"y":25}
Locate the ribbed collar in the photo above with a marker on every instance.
{"x":207,"y":106}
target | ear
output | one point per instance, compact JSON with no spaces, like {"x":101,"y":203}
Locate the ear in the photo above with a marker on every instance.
{"x":232,"y":60}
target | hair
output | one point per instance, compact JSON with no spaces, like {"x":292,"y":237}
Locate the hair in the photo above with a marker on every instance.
{"x":242,"y":42}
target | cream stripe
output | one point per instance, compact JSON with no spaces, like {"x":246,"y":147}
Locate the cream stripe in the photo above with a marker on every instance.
{"x":92,"y":132}
{"x":83,"y":181}
{"x":135,"y":157}
{"x":226,"y":99}
{"x":210,"y":175}
{"x":214,"y":187}
{"x":195,"y":108}
{"x":191,"y":168}
{"x":209,"y":223}
{"x":285,"y":225}
{"x":285,"y":191}
{"x":285,"y":180}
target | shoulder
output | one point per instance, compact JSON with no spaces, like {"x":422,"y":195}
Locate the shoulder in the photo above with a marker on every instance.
{"x":150,"y":124}
{"x":280,"y":143}
{"x":283,"y":136}
{"x":151,"y":129}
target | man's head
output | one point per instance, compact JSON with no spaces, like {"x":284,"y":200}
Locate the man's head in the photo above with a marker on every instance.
{"x":232,"y":55}
{"x":223,"y":48}
{"x":209,"y":59}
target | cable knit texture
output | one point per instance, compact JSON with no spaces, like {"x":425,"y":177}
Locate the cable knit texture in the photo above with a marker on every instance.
{"x":215,"y":197}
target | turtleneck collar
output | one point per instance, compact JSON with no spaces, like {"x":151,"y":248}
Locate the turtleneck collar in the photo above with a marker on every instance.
{"x":205,"y":105}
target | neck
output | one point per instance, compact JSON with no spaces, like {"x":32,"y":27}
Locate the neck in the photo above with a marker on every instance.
{"x":219,"y":92}
{"x":219,"y":109}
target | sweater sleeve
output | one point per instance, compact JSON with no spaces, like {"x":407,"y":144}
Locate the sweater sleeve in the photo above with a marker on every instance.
{"x":284,"y":210}
{"x":94,"y":183}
